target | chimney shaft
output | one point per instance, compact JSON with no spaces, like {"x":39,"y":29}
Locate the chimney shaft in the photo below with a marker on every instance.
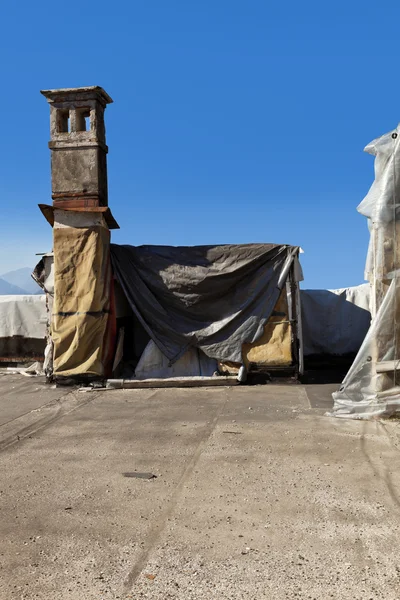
{"x":78,"y":147}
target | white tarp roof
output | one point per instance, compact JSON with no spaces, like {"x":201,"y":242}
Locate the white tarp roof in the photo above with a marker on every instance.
{"x":23,"y":316}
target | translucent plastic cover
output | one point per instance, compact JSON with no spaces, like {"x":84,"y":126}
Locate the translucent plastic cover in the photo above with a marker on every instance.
{"x":372,"y":386}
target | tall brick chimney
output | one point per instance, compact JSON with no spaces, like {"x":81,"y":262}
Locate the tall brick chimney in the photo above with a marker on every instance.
{"x":78,"y":146}
{"x":82,"y":324}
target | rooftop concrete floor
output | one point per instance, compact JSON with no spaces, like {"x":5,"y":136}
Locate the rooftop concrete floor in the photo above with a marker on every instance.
{"x":257,"y":495}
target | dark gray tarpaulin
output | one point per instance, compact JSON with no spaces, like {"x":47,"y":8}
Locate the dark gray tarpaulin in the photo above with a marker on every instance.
{"x":211,"y":297}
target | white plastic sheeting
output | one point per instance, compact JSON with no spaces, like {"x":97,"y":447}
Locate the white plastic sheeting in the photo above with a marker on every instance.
{"x":335,"y":322}
{"x":23,"y":316}
{"x":154,"y":365}
{"x":372,"y":386}
{"x":43,"y":274}
{"x":369,"y":389}
{"x":381,"y":205}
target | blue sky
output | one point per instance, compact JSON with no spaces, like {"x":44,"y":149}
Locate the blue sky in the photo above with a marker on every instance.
{"x":232,"y":121}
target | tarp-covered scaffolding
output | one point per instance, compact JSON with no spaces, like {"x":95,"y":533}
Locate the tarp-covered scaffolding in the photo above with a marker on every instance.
{"x":372,"y":386}
{"x":215,"y":299}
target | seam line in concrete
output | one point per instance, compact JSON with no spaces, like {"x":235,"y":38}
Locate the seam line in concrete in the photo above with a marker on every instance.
{"x":158,"y":528}
{"x":38,"y":408}
{"x":303,"y":392}
{"x":38,"y":425}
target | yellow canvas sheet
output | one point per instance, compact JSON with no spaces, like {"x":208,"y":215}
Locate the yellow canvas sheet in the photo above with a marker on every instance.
{"x":274,"y":347}
{"x":81,"y":308}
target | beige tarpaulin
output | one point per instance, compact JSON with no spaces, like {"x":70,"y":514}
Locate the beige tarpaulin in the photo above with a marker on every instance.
{"x":274,"y":347}
{"x":82,"y":299}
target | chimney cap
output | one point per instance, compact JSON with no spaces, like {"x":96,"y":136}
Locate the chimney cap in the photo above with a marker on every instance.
{"x":64,"y":94}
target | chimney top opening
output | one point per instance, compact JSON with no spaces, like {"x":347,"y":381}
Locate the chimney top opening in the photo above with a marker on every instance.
{"x":63,"y":121}
{"x":83,"y":119}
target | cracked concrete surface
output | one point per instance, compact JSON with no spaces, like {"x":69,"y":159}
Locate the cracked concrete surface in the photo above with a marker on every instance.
{"x":257,"y":495}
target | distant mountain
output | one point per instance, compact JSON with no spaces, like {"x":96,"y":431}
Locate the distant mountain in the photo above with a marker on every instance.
{"x":21,"y":279}
{"x":7,"y":289}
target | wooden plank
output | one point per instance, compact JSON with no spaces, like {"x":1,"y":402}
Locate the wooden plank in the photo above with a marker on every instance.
{"x":171,"y":382}
{"x":394,"y":391}
{"x":48,"y":213}
{"x":388,"y":366}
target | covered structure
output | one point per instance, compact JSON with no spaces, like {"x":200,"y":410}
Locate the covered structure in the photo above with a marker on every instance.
{"x":335,"y":323}
{"x":118,"y":309}
{"x":22,"y":328}
{"x":156,"y":312}
{"x":235,"y":306}
{"x":372,"y":386}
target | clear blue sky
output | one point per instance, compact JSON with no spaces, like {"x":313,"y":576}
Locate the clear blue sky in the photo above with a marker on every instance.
{"x":232,"y":121}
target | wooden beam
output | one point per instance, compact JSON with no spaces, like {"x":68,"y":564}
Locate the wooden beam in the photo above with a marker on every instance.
{"x":171,"y":382}
{"x":388,"y":366}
